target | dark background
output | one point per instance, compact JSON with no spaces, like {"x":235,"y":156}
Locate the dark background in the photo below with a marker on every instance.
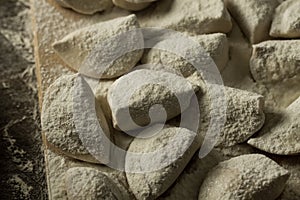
{"x":22,"y":173}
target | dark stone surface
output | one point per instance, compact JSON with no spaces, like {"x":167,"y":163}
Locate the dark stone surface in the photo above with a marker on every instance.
{"x":22,"y":174}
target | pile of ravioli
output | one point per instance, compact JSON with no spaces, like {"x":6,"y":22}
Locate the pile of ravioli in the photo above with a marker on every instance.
{"x":257,"y":148}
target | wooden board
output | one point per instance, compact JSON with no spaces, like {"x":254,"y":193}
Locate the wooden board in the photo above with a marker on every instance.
{"x":51,"y":23}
